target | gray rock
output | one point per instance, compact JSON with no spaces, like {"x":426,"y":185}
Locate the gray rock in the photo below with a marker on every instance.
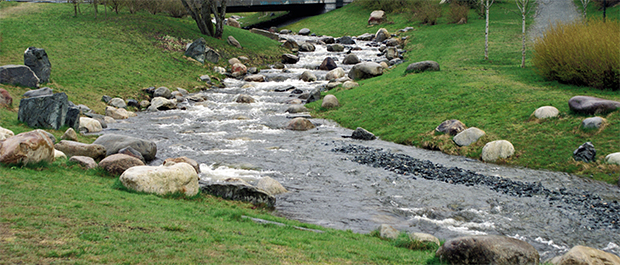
{"x":289,"y":59}
{"x":245,"y":99}
{"x":117,"y":103}
{"x":265,"y":33}
{"x":239,"y":192}
{"x":582,"y":255}
{"x":345,"y":40}
{"x":84,"y":161}
{"x":451,"y":127}
{"x":84,"y":109}
{"x":307,"y":47}
{"x":335,"y":48}
{"x":328,"y":64}
{"x":19,"y":75}
{"x":160,"y":103}
{"x":70,"y":135}
{"x":163,"y":92}
{"x":205,"y":78}
{"x":132,"y":152}
{"x":41,"y":92}
{"x":39,"y":63}
{"x":255,"y":78}
{"x":304,"y":32}
{"x":330,"y":101}
{"x":285,"y":31}
{"x":391,"y":53}
{"x":424,"y":238}
{"x":393,"y":42}
{"x":366,"y":37}
{"x":365,"y":70}
{"x":422,"y":67}
{"x":468,"y":136}
{"x":106,"y":99}
{"x":116,"y":164}
{"x":328,"y":40}
{"x":197,"y":50}
{"x":72,"y":148}
{"x":212,"y":56}
{"x":362,"y":134}
{"x":495,"y":150}
{"x":271,"y":186}
{"x":253,"y":70}
{"x":300,"y":124}
{"x":592,"y":123}
{"x":546,"y":112}
{"x":592,"y":105}
{"x":307,"y":76}
{"x":98,"y":117}
{"x":133,"y":103}
{"x":499,"y":250}
{"x":381,"y":35}
{"x":233,"y":42}
{"x":51,"y":136}
{"x":297,"y":108}
{"x":585,"y":153}
{"x":72,"y":118}
{"x":291,"y":44}
{"x":315,"y":95}
{"x":396,"y":61}
{"x":388,"y":232}
{"x":351,"y":59}
{"x":114,"y":142}
{"x":47,"y":112}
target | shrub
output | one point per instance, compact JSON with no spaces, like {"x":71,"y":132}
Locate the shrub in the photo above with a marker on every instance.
{"x":426,"y":11}
{"x":581,"y":54}
{"x":388,"y":6}
{"x":609,"y":3}
{"x":458,"y":13}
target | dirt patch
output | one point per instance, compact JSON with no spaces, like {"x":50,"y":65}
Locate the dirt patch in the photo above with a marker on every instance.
{"x":19,"y":10}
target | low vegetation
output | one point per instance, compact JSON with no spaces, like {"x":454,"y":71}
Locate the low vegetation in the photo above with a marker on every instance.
{"x":496,"y":96}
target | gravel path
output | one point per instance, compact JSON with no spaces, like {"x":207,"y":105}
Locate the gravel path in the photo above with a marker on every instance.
{"x":550,"y":12}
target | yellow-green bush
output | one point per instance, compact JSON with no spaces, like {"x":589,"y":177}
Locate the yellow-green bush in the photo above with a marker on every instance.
{"x":581,"y":54}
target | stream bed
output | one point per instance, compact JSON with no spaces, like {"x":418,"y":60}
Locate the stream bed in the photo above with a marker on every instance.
{"x":344,"y":183}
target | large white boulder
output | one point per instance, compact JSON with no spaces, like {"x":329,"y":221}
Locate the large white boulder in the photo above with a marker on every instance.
{"x":495,"y":150}
{"x":613,"y":158}
{"x":546,"y":112}
{"x":5,"y":133}
{"x":90,"y":125}
{"x":579,"y":255}
{"x":171,"y":178}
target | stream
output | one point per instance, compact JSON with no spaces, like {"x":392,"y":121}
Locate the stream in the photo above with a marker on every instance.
{"x":330,"y":185}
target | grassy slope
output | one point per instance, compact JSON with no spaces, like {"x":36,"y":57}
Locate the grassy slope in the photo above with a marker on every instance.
{"x":496,"y":96}
{"x":60,"y":213}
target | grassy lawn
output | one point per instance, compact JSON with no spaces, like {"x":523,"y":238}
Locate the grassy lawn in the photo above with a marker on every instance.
{"x":496,"y":96}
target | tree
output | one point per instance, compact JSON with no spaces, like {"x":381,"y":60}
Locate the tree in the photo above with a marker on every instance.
{"x":76,"y":7}
{"x":584,"y":3}
{"x":525,"y":6}
{"x":201,"y":11}
{"x":487,"y":5}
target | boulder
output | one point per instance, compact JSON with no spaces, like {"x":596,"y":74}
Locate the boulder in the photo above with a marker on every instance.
{"x":145,"y":104}
{"x":307,"y":47}
{"x":160,"y":103}
{"x":197,"y":50}
{"x":297,"y":108}
{"x":116,"y":164}
{"x":391,"y":53}
{"x":51,"y":136}
{"x":48,"y":112}
{"x":585,"y":153}
{"x":362,"y":134}
{"x":422,"y":67}
{"x":212,"y":56}
{"x":328,"y":64}
{"x":163,"y":92}
{"x":384,"y":65}
{"x":289,"y":59}
{"x":5,"y":99}
{"x":161,"y":180}
{"x":132,"y":152}
{"x":366,"y":37}
{"x":286,"y":31}
{"x":350,"y":85}
{"x":205,"y":78}
{"x":19,"y":75}
{"x":335,"y":48}
{"x":115,"y":142}
{"x":84,"y":161}
{"x":381,"y":35}
{"x":495,"y":150}
{"x":613,"y":158}
{"x":330,"y":101}
{"x":424,"y":238}
{"x":131,"y":103}
{"x":255,"y":78}
{"x":233,"y":61}
{"x":376,"y":17}
{"x":70,"y":135}
{"x":5,"y":133}
{"x":117,"y":103}
{"x":308,"y":76}
{"x":291,"y":44}
{"x":328,"y":40}
{"x":451,"y":127}
{"x":388,"y":232}
{"x":395,"y":61}
{"x":239,"y":191}
{"x":346,"y":40}
{"x":499,"y":250}
{"x":233,"y":42}
{"x":365,"y":70}
{"x":245,"y":99}
{"x":89,"y":125}
{"x":335,"y":74}
{"x":183,"y":159}
{"x":592,"y":105}
{"x":39,"y":63}
{"x":239,"y":69}
{"x":351,"y":59}
{"x":115,"y":113}
{"x":300,"y":124}
{"x":582,"y":255}
{"x":72,"y":148}
{"x":59,"y":155}
{"x":27,"y":148}
{"x":271,"y":186}
{"x":304,"y":32}
{"x":468,"y":136}
{"x":314,"y":95}
{"x":546,"y":112}
{"x":265,"y":33}
{"x":392,"y":43}
{"x":592,"y":123}
{"x":233,"y":23}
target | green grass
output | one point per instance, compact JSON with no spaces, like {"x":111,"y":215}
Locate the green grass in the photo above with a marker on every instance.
{"x":249,"y":19}
{"x":62,"y":214}
{"x":496,"y":96}
{"x":117,"y":55}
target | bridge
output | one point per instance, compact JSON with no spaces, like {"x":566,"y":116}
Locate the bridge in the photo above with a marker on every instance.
{"x":294,"y":6}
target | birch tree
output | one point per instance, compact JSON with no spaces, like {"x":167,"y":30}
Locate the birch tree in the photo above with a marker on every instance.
{"x":487,"y":5}
{"x":584,"y":3}
{"x":525,"y":6}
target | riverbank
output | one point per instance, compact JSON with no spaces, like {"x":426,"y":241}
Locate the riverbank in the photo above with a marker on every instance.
{"x":496,"y":96}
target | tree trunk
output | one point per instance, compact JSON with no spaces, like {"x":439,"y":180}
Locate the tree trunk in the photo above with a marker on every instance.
{"x":219,"y":18}
{"x":95,"y":5}
{"x":486,"y":32}
{"x":201,"y":14}
{"x":523,"y":39}
{"x":75,"y":8}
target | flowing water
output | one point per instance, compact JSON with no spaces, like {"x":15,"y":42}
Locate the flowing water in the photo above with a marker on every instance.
{"x":329,"y":188}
